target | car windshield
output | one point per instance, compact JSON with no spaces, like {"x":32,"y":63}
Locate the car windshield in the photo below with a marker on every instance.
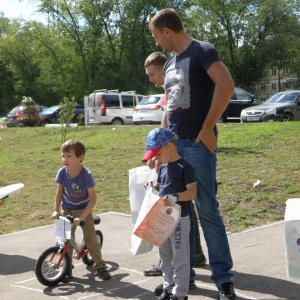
{"x":50,"y":110}
{"x":150,"y":100}
{"x":282,"y":97}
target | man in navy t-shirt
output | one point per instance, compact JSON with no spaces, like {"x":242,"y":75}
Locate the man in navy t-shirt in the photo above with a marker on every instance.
{"x":198,"y":87}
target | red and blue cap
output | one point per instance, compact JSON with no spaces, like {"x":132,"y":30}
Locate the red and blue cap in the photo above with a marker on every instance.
{"x":157,"y":138}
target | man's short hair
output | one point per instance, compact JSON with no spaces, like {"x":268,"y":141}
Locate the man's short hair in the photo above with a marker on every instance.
{"x":167,"y":17}
{"x":155,"y":59}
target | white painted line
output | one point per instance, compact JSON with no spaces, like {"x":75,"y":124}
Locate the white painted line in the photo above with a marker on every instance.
{"x":120,"y":288}
{"x":37,"y":290}
{"x":30,"y":279}
{"x":130,"y":270}
{"x":26,"y":230}
{"x":31,"y":229}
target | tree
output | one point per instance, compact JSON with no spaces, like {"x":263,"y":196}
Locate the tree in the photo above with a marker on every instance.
{"x":66,"y":114}
{"x":243,"y":32}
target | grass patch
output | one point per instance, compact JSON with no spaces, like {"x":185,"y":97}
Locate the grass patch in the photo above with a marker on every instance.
{"x":246,"y":152}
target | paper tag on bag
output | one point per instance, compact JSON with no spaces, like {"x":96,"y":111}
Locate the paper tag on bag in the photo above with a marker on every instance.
{"x":62,"y":229}
{"x":159,"y":223}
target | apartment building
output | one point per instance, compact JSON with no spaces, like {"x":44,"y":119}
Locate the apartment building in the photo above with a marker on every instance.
{"x":269,"y":85}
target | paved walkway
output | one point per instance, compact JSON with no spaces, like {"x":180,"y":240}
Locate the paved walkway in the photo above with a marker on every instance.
{"x":259,"y":266}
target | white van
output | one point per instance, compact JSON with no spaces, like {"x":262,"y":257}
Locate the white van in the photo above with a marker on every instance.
{"x":111,"y":107}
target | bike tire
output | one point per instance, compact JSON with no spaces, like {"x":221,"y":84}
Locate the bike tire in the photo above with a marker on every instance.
{"x":88,"y":259}
{"x":44,"y":269}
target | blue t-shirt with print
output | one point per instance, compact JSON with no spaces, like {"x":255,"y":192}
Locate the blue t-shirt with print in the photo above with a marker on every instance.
{"x":75,"y":195}
{"x":189,"y":88}
{"x":173,"y":178}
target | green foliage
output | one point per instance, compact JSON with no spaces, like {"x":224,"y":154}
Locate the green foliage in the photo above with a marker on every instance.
{"x":6,"y":89}
{"x":250,"y":35}
{"x":66,"y":114}
{"x":103,"y":44}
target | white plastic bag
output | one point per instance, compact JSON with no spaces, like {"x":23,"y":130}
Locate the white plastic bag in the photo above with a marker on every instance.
{"x":137,"y":178}
{"x":292,"y":237}
{"x":62,"y":229}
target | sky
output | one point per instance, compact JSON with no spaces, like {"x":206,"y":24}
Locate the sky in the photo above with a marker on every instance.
{"x":18,"y":9}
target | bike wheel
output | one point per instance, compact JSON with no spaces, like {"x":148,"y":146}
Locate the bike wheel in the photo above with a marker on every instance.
{"x":46,"y":269}
{"x":88,"y":259}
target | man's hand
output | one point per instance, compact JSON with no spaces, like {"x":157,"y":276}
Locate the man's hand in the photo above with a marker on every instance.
{"x":208,"y":138}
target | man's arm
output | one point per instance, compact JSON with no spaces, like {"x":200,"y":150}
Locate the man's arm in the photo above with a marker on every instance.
{"x":224,"y":88}
{"x":164,"y":120}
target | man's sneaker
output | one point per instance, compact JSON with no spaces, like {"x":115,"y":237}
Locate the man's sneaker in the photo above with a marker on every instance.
{"x":192,"y":285}
{"x":165,"y":296}
{"x":154,"y":271}
{"x":227,"y":291}
{"x":67,"y":277}
{"x":159,"y":289}
{"x":103,"y":274}
{"x":200,"y":262}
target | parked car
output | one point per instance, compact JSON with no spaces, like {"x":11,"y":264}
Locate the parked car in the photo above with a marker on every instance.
{"x":111,"y":107}
{"x":240,"y":99}
{"x":19,"y":116}
{"x":146,"y":113}
{"x":51,"y":115}
{"x":283,"y":106}
{"x":149,"y":110}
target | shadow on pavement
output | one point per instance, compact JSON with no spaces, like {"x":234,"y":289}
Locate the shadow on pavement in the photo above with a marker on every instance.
{"x":113,"y":288}
{"x":260,"y":284}
{"x":255,"y":283}
{"x":15,"y":264}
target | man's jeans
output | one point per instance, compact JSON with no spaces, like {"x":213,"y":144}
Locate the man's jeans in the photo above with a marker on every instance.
{"x":207,"y":206}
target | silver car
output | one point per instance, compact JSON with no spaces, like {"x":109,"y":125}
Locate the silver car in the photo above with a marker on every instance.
{"x":283,"y":106}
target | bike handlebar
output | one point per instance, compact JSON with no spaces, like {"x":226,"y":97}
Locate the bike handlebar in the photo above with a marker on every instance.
{"x":71,"y":219}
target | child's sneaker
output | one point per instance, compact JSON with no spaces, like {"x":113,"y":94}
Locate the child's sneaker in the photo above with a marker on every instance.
{"x":153,"y":271}
{"x":68,"y":276}
{"x":164,"y":296}
{"x":103,"y":274}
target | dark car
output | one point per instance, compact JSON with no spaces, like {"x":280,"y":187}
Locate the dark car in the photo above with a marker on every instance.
{"x":51,"y":115}
{"x":240,"y":99}
{"x":283,"y":106}
{"x":19,"y":116}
